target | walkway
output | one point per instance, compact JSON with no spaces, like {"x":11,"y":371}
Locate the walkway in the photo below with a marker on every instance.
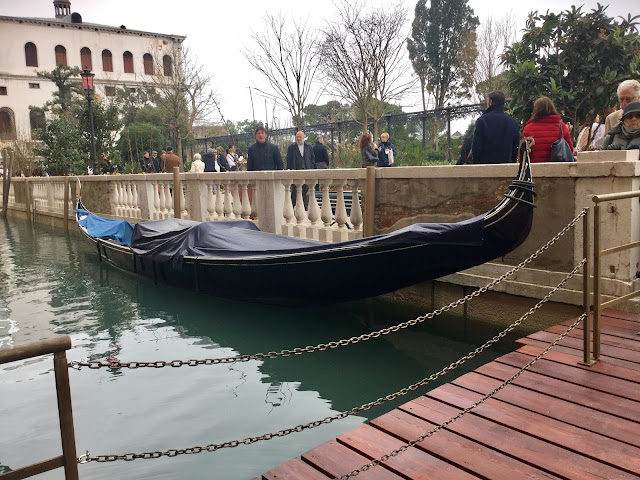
{"x":557,"y":420}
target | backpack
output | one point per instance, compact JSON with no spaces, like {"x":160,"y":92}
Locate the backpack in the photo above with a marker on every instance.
{"x":560,"y":149}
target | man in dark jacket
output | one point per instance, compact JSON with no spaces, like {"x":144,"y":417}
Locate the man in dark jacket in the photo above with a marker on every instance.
{"x":209,"y":160}
{"x":300,"y":157}
{"x":263,"y":155}
{"x":321,"y":153}
{"x":497,"y":135}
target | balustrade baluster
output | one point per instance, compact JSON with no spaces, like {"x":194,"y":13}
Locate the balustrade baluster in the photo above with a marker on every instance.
{"x":211,"y":205}
{"x":168,"y":195}
{"x":356,"y":210}
{"x":300,"y":212}
{"x":287,"y":211}
{"x":314,"y":209}
{"x":137,"y":212}
{"x":219,"y":203}
{"x":156,"y":200}
{"x":228,"y":204}
{"x":327,"y":213}
{"x":341,"y":211}
{"x":246,"y":204}
{"x":237,"y":204}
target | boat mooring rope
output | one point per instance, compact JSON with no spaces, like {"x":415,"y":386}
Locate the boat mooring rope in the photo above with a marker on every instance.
{"x":117,"y":364}
{"x":87,"y":457}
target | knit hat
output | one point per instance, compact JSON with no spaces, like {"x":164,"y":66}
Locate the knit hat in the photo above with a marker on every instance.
{"x":633,"y":107}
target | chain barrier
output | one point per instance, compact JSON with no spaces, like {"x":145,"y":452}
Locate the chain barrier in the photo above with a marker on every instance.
{"x":463,"y":412}
{"x":117,"y":364}
{"x":87,"y":457}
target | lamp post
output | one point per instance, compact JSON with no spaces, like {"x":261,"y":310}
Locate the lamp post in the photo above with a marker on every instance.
{"x":87,"y":84}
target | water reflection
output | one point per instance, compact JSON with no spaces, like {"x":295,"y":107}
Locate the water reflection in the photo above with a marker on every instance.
{"x":54,"y":284}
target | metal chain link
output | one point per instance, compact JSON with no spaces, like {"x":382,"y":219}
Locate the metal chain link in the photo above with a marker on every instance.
{"x":489,"y":395}
{"x":86,"y":458}
{"x":116,"y":364}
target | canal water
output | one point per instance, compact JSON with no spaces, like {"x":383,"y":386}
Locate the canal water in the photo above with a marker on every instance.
{"x":53,"y":284}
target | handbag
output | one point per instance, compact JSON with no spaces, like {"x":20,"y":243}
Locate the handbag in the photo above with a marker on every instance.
{"x":390,"y":156}
{"x":560,"y":149}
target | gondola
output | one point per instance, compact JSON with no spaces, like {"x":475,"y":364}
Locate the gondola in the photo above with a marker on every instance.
{"x":234,"y":259}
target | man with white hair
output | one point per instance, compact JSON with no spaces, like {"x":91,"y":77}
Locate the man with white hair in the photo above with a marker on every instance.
{"x":628,"y":91}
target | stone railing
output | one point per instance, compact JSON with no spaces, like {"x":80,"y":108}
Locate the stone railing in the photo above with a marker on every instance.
{"x":261,"y":197}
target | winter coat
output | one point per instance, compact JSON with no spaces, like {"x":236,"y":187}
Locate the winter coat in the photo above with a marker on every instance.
{"x":544,"y":131}
{"x":321,"y":154}
{"x":295,"y":161}
{"x":383,"y":158}
{"x":496,"y":137}
{"x":264,"y":156}
{"x":365,"y":161}
{"x":210,"y":164}
{"x":621,"y":138}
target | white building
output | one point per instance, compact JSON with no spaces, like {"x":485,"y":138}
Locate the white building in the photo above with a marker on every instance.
{"x":117,"y":56}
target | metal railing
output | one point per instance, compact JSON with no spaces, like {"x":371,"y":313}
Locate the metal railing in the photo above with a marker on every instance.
{"x":58,"y":346}
{"x":598,"y":253}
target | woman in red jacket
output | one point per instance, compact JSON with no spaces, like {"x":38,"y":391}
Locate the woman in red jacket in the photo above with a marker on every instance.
{"x":543,"y":127}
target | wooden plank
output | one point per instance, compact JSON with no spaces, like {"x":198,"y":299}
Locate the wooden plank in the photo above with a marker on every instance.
{"x":578,"y":376}
{"x":613,"y":326}
{"x":412,"y":463}
{"x":577,"y":415}
{"x":608,"y":330}
{"x":632,"y":317}
{"x":617,"y":454}
{"x":533,"y":451}
{"x":577,"y":354}
{"x":34,"y":469}
{"x":335,"y":460}
{"x":605,"y":368}
{"x":616,"y":341}
{"x":578,"y":394}
{"x":457,"y":450}
{"x":294,"y":469}
{"x":609,"y":350}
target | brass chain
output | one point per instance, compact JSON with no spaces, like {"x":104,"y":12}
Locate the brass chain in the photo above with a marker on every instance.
{"x":117,"y":364}
{"x":463,"y":412}
{"x":87,"y":457}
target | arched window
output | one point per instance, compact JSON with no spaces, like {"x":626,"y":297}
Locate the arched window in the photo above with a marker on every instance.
{"x":7,"y":124}
{"x":127,"y":59}
{"x":61,"y":55}
{"x":148,"y":64}
{"x":36,"y":118}
{"x":85,"y":59}
{"x":107,"y":61}
{"x":31,"y":54}
{"x":167,"y":66}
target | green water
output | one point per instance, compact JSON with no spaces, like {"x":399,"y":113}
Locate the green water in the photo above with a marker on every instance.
{"x":52,"y":284}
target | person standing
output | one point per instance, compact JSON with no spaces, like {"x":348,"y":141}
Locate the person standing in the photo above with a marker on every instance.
{"x":625,"y":135}
{"x":170,"y":161}
{"x":145,"y":163}
{"x":496,"y":136}
{"x":263,"y":155}
{"x":386,"y":151}
{"x":222,"y":160}
{"x":321,"y":153}
{"x":628,"y":91}
{"x":210,"y":163}
{"x":232,"y":158}
{"x":155,"y":162}
{"x":368,"y":151}
{"x":544,"y":127}
{"x":300,"y":157}
{"x":197,"y":166}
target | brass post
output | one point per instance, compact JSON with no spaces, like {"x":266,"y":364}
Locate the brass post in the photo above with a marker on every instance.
{"x":596,"y":282}
{"x":369,"y":203}
{"x":586,"y":271}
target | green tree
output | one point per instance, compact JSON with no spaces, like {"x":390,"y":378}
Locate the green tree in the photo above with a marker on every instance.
{"x":67,"y":84}
{"x":441,"y":48}
{"x":60,"y":139}
{"x":577,"y":59}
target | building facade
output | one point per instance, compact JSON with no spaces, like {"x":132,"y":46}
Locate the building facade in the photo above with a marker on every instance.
{"x":119,"y":57}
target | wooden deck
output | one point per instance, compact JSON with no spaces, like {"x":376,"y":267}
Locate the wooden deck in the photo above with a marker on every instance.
{"x":557,"y":420}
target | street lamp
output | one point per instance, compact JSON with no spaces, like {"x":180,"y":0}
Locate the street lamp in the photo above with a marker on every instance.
{"x":87,"y":84}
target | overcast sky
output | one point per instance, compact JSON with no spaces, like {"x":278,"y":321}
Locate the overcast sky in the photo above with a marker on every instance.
{"x":217,"y":31}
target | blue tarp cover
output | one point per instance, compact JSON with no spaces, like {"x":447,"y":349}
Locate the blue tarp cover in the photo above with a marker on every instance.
{"x":98,"y":227}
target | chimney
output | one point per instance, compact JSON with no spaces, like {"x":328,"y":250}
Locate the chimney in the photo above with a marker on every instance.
{"x":63,"y":8}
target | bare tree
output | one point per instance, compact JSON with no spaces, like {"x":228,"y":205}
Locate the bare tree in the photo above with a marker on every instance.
{"x":288,"y":60}
{"x":186,"y":91}
{"x":363,"y":57}
{"x":493,"y":36}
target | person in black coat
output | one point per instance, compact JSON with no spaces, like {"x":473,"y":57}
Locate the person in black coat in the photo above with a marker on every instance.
{"x":321,"y":153}
{"x":222,"y":161}
{"x":263,"y":155}
{"x":497,"y":135}
{"x":209,"y":160}
{"x":300,"y":156}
